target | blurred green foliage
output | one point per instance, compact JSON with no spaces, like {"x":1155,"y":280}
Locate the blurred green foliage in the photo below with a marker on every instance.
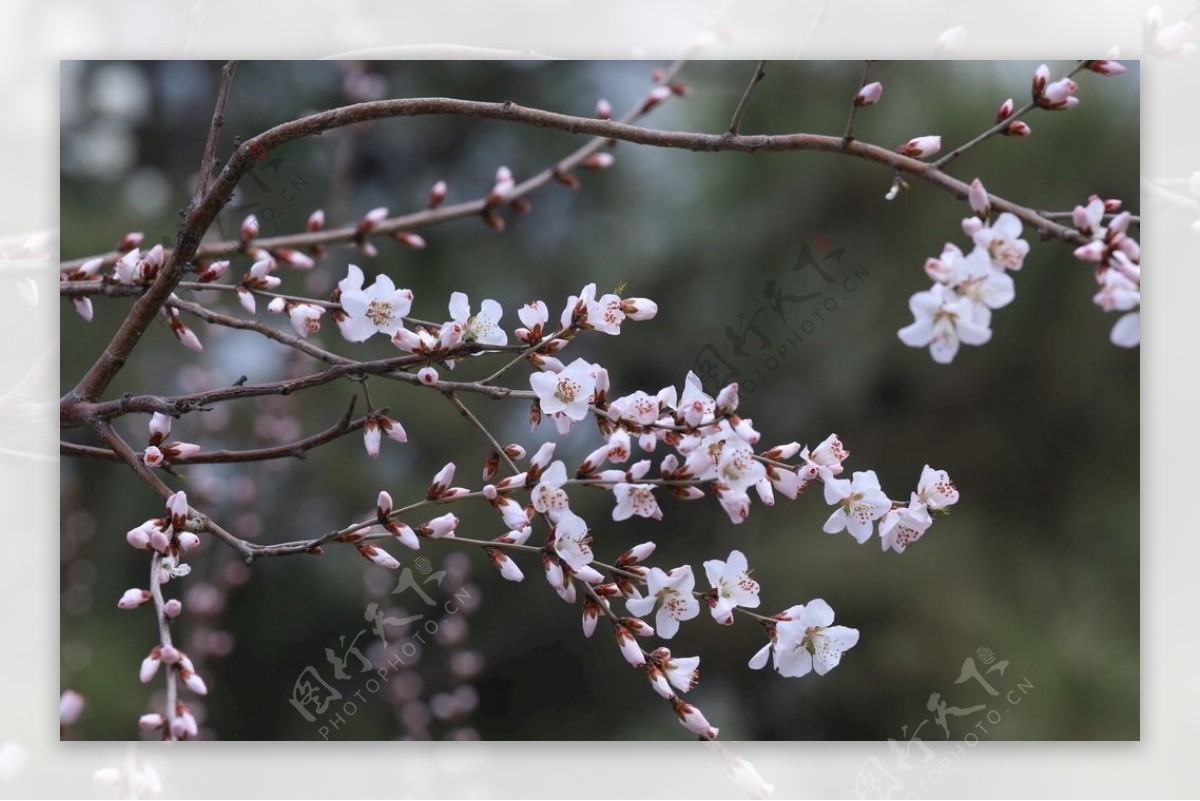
{"x":1039,"y":428}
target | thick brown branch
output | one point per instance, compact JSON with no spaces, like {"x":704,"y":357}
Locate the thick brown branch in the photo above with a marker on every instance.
{"x":259,"y":146}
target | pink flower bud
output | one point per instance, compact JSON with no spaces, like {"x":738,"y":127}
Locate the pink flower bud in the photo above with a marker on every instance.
{"x":604,"y":109}
{"x":140,"y":537}
{"x":193,"y":682}
{"x":427,"y":376}
{"x":152,"y":456}
{"x":403,"y":533}
{"x":782,"y":453}
{"x":177,"y":505}
{"x":131,"y":240}
{"x":591,"y":614}
{"x":1093,"y":251}
{"x":160,"y":427}
{"x":500,"y":191}
{"x":186,"y":336}
{"x":542,"y":457}
{"x":133,"y":598}
{"x":159,"y":540}
{"x":439,"y":527}
{"x":184,"y":725}
{"x":372,"y":436}
{"x":151,"y":722}
{"x":636,"y":554}
{"x":637,"y":627}
{"x":1106,"y":67}
{"x":693,"y":720}
{"x":598,"y":161}
{"x":249,"y":228}
{"x":1018,"y":128}
{"x":409,"y":240}
{"x":378,"y":556}
{"x":629,"y":648}
{"x":213,"y":271}
{"x":316,"y":221}
{"x":921,"y":147}
{"x":83,"y":307}
{"x":149,"y":666}
{"x":869,"y":95}
{"x":1059,"y":95}
{"x":437,"y":195}
{"x":406,"y":340}
{"x":189,"y":541}
{"x":727,"y":399}
{"x":371,"y":220}
{"x":977,"y":197}
{"x":1005,"y":111}
{"x":657,"y":95}
{"x":171,"y":655}
{"x":70,"y":708}
{"x":507,"y":567}
{"x":173,"y":608}
{"x":383,"y":506}
{"x":639,"y":309}
{"x":1041,"y":77}
{"x":516,"y":536}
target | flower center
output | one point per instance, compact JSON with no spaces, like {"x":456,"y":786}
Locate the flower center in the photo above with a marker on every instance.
{"x":567,"y":390}
{"x":379,"y":312}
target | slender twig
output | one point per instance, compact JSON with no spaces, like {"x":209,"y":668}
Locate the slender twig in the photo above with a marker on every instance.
{"x":525,"y":354}
{"x":218,"y":119}
{"x":999,"y":127}
{"x":1067,"y":215}
{"x":474,"y":421}
{"x":735,"y":124}
{"x":258,"y":146}
{"x":849,"y":134}
{"x":118,"y":445}
{"x":421,"y":219}
{"x":296,"y":450}
{"x":164,"y":637}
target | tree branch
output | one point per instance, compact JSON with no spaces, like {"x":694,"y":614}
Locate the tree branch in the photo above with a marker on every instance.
{"x":735,"y":124}
{"x":296,"y":449}
{"x":119,"y":446}
{"x":218,"y":119}
{"x":846,"y":137}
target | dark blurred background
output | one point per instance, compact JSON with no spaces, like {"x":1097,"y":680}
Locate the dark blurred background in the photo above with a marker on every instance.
{"x":1039,"y":428}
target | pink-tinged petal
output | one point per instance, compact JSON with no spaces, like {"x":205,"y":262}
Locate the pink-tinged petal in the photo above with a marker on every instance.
{"x":357,"y":329}
{"x":917,"y":334}
{"x":759,"y":660}
{"x":816,"y":613}
{"x":460,"y":307}
{"x":666,"y":625}
{"x":836,"y":522}
{"x":859,"y":529}
{"x":793,"y":662}
{"x":640,"y":607}
{"x":944,"y":349}
{"x":1127,"y":332}
{"x":971,"y":333}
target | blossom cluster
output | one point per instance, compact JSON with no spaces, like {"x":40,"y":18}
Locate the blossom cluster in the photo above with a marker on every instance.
{"x":691,"y":444}
{"x":1118,"y":261}
{"x":957,"y":309}
{"x":169,"y":538}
